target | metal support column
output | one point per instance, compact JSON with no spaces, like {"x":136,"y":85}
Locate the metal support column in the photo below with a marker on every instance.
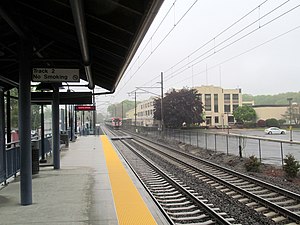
{"x":161,"y":102}
{"x":3,"y":171}
{"x":66,"y":119}
{"x":83,"y":124}
{"x":55,"y":129}
{"x":135,"y":111}
{"x":25,"y":71}
{"x":62,"y":116}
{"x":43,"y":160}
{"x":8,"y":118}
{"x":94,"y":114}
{"x":72,"y":138}
{"x":75,"y":128}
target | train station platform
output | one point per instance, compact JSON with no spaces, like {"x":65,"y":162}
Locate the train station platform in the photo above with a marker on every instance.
{"x":93,"y":186}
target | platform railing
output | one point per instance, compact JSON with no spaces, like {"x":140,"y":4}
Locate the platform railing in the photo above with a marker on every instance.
{"x":12,"y":156}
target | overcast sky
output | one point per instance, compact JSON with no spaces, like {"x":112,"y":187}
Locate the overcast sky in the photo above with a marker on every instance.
{"x":259,"y":53}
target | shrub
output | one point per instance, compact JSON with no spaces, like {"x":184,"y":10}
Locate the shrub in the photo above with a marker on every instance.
{"x":291,"y":166}
{"x":249,"y":124}
{"x":252,"y":164}
{"x":261,"y":123}
{"x":272,"y":122}
{"x":281,"y":122}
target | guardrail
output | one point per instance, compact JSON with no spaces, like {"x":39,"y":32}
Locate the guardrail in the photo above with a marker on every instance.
{"x":267,"y":150}
{"x":13,"y":157}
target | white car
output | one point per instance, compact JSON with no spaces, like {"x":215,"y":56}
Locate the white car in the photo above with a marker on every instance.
{"x":275,"y":130}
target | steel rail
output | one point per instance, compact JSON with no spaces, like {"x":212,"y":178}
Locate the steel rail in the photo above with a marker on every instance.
{"x":193,"y":198}
{"x":291,"y":215}
{"x":203,"y":206}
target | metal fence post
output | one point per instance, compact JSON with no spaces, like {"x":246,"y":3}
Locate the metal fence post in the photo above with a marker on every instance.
{"x":240,"y":147}
{"x":174,"y":134}
{"x":197,"y":138}
{"x":281,"y":149}
{"x":206,"y":141}
{"x":227,"y":144}
{"x":215,"y":142}
{"x":259,"y":150}
{"x":190,"y":137}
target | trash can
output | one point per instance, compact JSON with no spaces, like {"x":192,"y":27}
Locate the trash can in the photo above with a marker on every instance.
{"x":35,"y":151}
{"x":64,"y":137}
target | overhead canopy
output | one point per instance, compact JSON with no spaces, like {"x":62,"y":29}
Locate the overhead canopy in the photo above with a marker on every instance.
{"x":114,"y":30}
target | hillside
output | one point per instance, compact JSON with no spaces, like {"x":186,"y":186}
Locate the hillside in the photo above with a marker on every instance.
{"x":279,"y":99}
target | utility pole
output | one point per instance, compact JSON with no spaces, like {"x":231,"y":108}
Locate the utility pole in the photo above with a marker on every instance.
{"x":94,"y":113}
{"x":290,"y":112}
{"x":161,"y":102}
{"x":122,"y":111}
{"x":135,"y":110}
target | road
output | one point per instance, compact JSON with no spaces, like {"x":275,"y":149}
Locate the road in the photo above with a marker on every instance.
{"x":271,"y":152}
{"x":270,"y":149}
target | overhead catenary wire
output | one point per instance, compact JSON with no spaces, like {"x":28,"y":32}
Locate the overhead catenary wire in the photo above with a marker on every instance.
{"x":152,"y":36}
{"x":192,"y":62}
{"x":240,"y":54}
{"x":158,"y":45}
{"x":213,"y":39}
{"x":213,"y":51}
{"x":218,"y":35}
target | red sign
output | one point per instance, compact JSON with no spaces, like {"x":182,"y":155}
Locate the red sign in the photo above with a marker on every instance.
{"x":85,"y":108}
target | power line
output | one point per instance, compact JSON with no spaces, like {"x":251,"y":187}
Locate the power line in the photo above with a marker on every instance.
{"x":236,"y":56}
{"x":150,"y":39}
{"x":165,"y":37}
{"x":213,"y":39}
{"x":227,"y":39}
{"x":184,"y":67}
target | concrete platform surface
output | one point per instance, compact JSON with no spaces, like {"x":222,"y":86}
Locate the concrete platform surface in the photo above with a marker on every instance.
{"x":78,"y":193}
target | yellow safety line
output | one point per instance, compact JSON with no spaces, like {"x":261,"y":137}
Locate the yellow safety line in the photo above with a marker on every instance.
{"x":131,"y":208}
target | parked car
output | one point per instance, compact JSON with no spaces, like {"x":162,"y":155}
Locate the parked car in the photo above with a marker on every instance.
{"x":275,"y":130}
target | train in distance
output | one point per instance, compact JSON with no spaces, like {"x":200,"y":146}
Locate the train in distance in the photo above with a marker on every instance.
{"x":115,"y":122}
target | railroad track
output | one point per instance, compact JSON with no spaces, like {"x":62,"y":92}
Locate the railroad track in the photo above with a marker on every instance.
{"x":278,"y":204}
{"x":180,"y":203}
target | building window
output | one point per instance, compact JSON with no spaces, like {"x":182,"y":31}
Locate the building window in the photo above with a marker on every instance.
{"x":216,"y":119}
{"x":216,"y":106}
{"x":226,"y":97}
{"x":235,"y":97}
{"x":234,"y":107}
{"x":230,"y":119}
{"x":208,"y":120}
{"x":207,"y":102}
{"x":226,"y":108}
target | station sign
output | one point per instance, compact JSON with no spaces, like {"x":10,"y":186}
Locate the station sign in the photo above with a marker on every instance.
{"x":72,"y":98}
{"x":55,"y":75}
{"x":85,"y":108}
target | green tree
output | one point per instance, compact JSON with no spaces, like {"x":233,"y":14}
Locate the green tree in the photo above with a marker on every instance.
{"x":278,"y":99}
{"x":293,"y":113}
{"x":272,"y":122}
{"x":14,"y":108}
{"x":35,"y":117}
{"x":244,"y":114}
{"x":115,"y":110}
{"x":100,"y":118}
{"x":179,"y":106}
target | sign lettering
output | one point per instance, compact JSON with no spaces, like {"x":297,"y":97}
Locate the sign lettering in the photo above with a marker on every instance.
{"x":55,"y":75}
{"x":85,"y":108}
